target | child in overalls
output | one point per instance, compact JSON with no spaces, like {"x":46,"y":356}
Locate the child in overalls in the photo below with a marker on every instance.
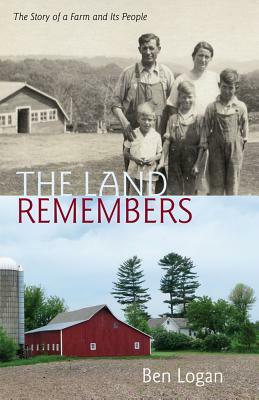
{"x":225,"y":134}
{"x":181,"y":145}
{"x":144,"y":151}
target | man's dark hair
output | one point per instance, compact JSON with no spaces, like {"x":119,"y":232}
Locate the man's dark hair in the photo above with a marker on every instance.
{"x":146,"y":37}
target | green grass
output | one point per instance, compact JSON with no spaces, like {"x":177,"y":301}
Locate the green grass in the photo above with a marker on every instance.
{"x":48,"y":359}
{"x":155,"y":355}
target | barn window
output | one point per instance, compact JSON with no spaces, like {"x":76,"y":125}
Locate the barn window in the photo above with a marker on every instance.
{"x":52,"y":115}
{"x":136,"y":345}
{"x":43,"y":347}
{"x":43,"y":116}
{"x":31,"y":347}
{"x":2,"y":120}
{"x":34,"y":117}
{"x":92,"y":346}
{"x":48,"y":347}
{"x":37,"y":347}
{"x":57,"y":347}
{"x":53,"y":347}
{"x":115,"y":325}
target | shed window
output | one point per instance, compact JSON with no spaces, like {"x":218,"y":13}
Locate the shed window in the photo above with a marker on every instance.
{"x":52,"y":115}
{"x":48,"y":347}
{"x":31,"y":347}
{"x":2,"y":120}
{"x":53,"y":347}
{"x":92,"y":346}
{"x":57,"y":347}
{"x":37,"y":347}
{"x":136,"y":345}
{"x":43,"y":116}
{"x":34,"y":117}
{"x":43,"y":347}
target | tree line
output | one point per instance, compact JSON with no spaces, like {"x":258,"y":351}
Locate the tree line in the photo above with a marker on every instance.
{"x":91,"y":88}
{"x":228,"y":318}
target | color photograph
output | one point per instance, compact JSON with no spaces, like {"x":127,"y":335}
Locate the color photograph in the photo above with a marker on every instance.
{"x":144,"y":312}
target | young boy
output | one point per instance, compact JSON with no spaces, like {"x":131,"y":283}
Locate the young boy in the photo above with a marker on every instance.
{"x":181,"y":144}
{"x":225,"y":134}
{"x":144,"y":151}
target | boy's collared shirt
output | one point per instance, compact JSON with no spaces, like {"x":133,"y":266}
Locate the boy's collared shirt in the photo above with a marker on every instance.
{"x":179,"y":119}
{"x":234,"y":106}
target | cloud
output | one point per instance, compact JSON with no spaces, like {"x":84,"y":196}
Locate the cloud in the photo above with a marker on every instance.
{"x":79,"y":262}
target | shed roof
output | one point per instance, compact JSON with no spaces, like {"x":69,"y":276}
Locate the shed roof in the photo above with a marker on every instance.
{"x":156,"y":322}
{"x":8,"y":88}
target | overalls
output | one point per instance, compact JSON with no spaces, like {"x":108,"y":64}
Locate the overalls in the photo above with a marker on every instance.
{"x":225,"y":153}
{"x":140,"y":93}
{"x":183,"y":153}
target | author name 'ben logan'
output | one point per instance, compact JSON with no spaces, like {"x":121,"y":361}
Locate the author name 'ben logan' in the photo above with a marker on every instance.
{"x":200,"y":378}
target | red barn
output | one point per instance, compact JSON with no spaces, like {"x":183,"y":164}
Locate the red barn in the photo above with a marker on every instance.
{"x":88,"y":332}
{"x":25,"y":109}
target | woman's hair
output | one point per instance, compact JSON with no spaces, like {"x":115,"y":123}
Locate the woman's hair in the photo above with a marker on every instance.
{"x":229,"y":76}
{"x":203,"y":45}
{"x":186,"y":87}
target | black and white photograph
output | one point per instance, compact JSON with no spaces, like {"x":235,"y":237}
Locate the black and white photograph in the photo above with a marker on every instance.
{"x":165,"y":98}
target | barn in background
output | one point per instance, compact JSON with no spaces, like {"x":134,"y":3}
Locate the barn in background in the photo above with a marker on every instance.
{"x":25,"y":109}
{"x":88,"y":332}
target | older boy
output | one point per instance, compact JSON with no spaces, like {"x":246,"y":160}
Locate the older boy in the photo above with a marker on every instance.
{"x":225,"y":134}
{"x":145,"y":150}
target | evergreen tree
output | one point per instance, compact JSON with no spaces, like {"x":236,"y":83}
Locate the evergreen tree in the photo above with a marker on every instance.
{"x":128,"y":288}
{"x":179,"y":282}
{"x":187,"y":284}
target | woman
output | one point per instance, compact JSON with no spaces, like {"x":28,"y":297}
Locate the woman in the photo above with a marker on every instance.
{"x":205,"y":81}
{"x":206,"y":85}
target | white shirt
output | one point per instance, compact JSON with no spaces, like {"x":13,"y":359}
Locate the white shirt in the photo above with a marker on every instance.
{"x":143,"y":146}
{"x":206,"y":89}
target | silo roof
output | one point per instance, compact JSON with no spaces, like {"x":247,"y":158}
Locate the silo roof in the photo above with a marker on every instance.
{"x":10,"y":264}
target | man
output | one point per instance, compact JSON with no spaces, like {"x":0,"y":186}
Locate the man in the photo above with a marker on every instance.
{"x":146,"y":81}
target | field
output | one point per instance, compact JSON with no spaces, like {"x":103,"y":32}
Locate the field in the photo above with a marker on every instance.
{"x":78,"y":153}
{"x":122,"y":379}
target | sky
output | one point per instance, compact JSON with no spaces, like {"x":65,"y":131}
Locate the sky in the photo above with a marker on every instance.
{"x":79,"y":262}
{"x":230,"y":26}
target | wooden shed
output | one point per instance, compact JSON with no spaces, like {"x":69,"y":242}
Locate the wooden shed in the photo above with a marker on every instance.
{"x":88,"y":332}
{"x":25,"y":109}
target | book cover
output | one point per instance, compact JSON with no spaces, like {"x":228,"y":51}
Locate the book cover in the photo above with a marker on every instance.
{"x":106,"y":294}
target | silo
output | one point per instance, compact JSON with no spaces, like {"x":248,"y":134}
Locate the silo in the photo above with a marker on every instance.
{"x":12,"y":299}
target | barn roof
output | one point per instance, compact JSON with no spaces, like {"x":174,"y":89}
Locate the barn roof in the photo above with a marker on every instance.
{"x":8,"y":88}
{"x":83,"y":314}
{"x":54,"y":327}
{"x":71,"y":318}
